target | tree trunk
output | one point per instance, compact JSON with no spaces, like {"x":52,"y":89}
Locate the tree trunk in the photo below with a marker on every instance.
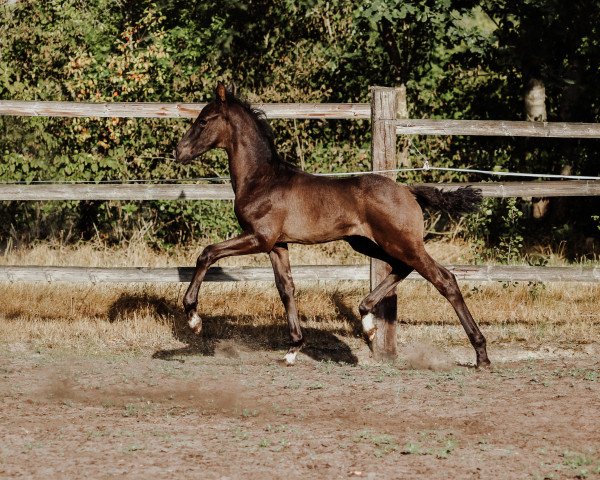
{"x":535,"y":111}
{"x":390,"y":45}
{"x":535,"y":102}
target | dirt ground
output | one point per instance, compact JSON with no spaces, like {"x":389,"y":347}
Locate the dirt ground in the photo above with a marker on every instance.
{"x":236,"y":412}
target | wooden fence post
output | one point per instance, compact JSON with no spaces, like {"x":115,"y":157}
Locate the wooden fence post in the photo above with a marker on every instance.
{"x":402,"y":112}
{"x":383,"y":154}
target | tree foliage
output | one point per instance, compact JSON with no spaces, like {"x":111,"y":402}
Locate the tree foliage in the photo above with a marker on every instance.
{"x":458,"y":58}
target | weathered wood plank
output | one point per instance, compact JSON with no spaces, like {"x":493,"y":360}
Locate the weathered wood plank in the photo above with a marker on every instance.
{"x":497,"y":128}
{"x":524,"y":273}
{"x":304,"y":111}
{"x":179,"y":110}
{"x":176,"y":274}
{"x":130,"y":192}
{"x":383,"y":157}
{"x":305,"y":273}
{"x":184,"y":191}
{"x":552,"y":188}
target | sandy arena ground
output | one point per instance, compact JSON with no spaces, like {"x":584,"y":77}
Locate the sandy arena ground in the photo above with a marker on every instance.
{"x":225,"y":410}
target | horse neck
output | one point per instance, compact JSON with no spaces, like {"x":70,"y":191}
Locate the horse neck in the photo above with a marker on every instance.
{"x":249,"y":155}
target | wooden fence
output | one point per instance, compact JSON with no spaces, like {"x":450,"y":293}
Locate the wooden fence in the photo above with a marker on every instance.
{"x":497,"y":128}
{"x":302,"y":273}
{"x":190,"y":191}
{"x":385,"y":112}
{"x":348,"y":111}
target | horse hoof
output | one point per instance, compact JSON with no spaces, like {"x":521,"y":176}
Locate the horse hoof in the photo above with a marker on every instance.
{"x":371,"y":334}
{"x":369,"y":327}
{"x":368,"y":323}
{"x":195,"y":323}
{"x":290,"y":358}
{"x":485,"y":363}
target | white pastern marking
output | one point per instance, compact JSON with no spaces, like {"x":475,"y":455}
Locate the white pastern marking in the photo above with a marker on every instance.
{"x":367,"y":323}
{"x":195,"y":323}
{"x":290,"y":358}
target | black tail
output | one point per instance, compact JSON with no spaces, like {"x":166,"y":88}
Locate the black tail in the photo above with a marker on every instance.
{"x":456,"y":202}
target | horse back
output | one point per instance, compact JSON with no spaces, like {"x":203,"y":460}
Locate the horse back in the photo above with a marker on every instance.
{"x":315,"y":209}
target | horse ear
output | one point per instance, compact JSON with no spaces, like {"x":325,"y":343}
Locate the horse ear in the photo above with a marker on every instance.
{"x":221,"y":92}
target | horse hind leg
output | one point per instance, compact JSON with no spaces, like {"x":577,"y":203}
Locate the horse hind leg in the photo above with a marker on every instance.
{"x":445,"y":282}
{"x":399,"y":272}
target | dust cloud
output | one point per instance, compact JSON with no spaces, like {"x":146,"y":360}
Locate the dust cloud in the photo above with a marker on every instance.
{"x":425,"y":356}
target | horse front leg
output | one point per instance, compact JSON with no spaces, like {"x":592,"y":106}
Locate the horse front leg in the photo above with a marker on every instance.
{"x":285,"y":285}
{"x":243,"y":244}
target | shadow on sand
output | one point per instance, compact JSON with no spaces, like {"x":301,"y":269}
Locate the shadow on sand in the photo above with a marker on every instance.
{"x":320,"y":345}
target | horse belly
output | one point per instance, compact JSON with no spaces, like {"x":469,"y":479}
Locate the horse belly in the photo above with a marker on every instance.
{"x":317,"y":220}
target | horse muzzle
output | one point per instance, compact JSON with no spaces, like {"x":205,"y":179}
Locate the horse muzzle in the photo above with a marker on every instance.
{"x":183,"y":154}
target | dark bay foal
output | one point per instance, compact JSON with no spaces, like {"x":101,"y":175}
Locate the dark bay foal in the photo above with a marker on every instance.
{"x":277,"y":204}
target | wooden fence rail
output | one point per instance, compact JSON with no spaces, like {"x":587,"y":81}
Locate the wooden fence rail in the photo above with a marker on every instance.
{"x":487,"y":273}
{"x":352,"y":111}
{"x":497,"y":128}
{"x":188,"y":191}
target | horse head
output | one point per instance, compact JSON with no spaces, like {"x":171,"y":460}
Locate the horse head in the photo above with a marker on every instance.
{"x":210,"y":130}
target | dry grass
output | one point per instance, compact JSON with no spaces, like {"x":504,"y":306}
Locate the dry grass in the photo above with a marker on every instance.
{"x":131,"y":318}
{"x":138,"y":253}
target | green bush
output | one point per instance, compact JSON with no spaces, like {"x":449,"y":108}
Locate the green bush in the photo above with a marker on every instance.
{"x":458,"y":59}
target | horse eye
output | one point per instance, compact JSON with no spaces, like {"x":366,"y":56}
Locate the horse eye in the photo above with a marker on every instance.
{"x":202,"y":122}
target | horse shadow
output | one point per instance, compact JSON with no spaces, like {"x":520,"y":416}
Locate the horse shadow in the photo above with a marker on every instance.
{"x":217,"y":330}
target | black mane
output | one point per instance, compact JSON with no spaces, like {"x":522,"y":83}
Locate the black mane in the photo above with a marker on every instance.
{"x":265,"y":129}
